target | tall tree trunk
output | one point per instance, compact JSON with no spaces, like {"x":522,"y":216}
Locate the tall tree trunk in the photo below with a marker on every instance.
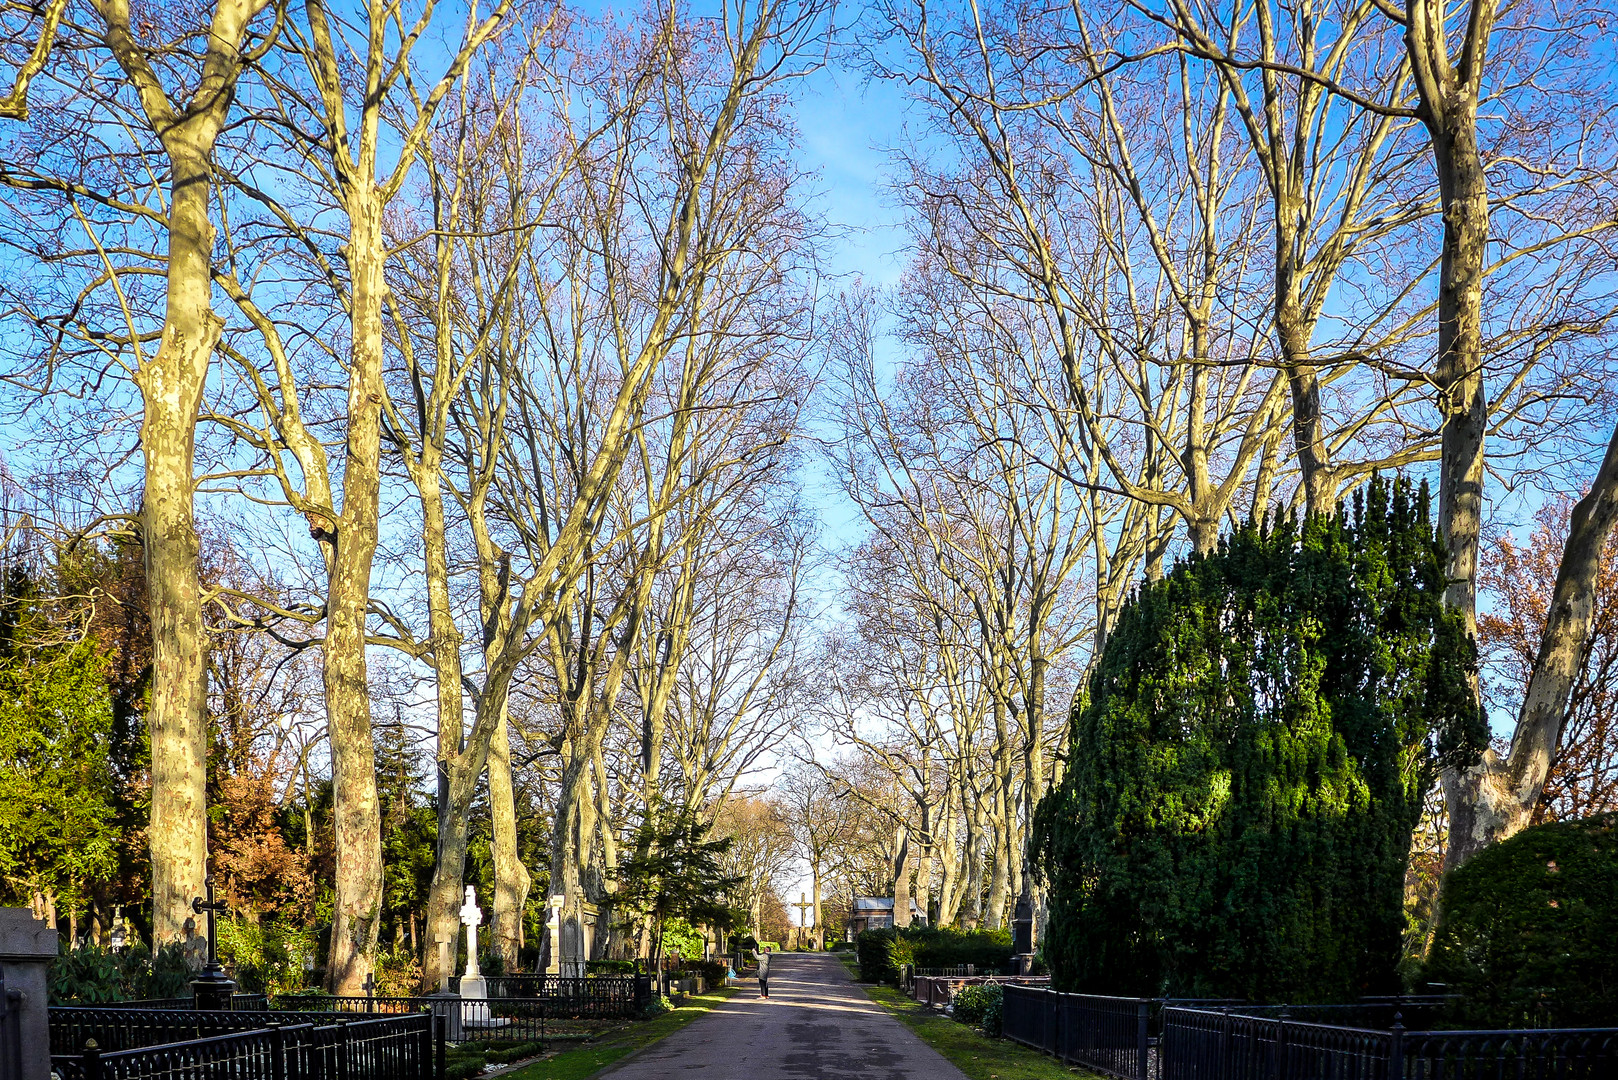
{"x":511,"y":880}
{"x":357,"y":903}
{"x":171,"y":387}
{"x":974,"y":863}
{"x":1447,"y":95}
{"x":1465,"y":196}
{"x":814,"y":883}
{"x":901,"y":876}
{"x":1496,"y":798}
{"x":567,"y":844}
{"x":948,"y":899}
{"x":994,"y":915}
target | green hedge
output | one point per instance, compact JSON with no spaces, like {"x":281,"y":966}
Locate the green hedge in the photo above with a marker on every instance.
{"x":981,"y":1006}
{"x":1527,"y":929}
{"x":882,"y":952}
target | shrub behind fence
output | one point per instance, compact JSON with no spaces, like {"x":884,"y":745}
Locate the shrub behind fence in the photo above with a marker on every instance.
{"x":1156,"y":1039}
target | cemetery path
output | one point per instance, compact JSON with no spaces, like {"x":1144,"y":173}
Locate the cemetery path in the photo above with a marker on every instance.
{"x":817,"y":1023}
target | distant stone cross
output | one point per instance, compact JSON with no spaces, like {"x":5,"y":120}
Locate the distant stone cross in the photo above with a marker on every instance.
{"x":471,"y":915}
{"x":804,"y":908}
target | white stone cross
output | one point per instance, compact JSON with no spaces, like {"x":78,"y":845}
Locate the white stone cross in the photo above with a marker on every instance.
{"x":471,"y":916}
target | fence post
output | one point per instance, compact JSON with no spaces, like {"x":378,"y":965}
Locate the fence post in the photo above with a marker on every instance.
{"x":1396,"y":1048}
{"x":440,"y":1022}
{"x":1281,"y":1045}
{"x":342,"y":1050}
{"x":1053,"y":1024}
{"x":1223,"y":1069}
{"x":1142,"y":1037}
{"x":278,"y":1051}
{"x":91,"y":1060}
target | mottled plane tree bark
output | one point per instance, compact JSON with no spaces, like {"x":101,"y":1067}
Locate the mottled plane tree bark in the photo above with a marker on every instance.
{"x":184,"y":106}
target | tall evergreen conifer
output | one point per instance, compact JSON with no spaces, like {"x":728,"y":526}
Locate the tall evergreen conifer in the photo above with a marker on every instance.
{"x":1249,"y":759}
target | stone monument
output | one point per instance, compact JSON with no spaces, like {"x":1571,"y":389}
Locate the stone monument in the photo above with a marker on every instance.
{"x":447,"y":1003}
{"x":473,"y":986}
{"x":1022,"y":934}
{"x":553,"y":934}
{"x":26,"y":947}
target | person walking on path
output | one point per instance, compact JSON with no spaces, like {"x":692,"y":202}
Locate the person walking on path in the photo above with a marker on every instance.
{"x":763,"y":973}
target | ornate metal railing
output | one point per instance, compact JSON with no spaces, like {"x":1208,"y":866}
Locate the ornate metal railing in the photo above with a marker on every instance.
{"x":379,"y":1048}
{"x":1543,"y":1054}
{"x":115,"y":1027}
{"x":1200,"y":1044}
{"x":1107,"y":1034}
{"x":511,"y":996}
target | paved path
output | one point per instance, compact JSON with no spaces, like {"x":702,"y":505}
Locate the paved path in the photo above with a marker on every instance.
{"x":817,"y":1023}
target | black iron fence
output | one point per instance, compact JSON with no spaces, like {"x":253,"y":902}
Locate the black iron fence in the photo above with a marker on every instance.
{"x":501,"y":1019}
{"x":377,"y":1048}
{"x":1108,"y":1034}
{"x":116,"y":1027}
{"x":511,"y":998}
{"x":1159,"y":1039}
{"x":238,"y":1001}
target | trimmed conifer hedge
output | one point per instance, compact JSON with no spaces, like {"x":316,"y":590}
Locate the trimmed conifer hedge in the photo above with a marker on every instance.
{"x":1248,"y":761}
{"x":1528,"y":929}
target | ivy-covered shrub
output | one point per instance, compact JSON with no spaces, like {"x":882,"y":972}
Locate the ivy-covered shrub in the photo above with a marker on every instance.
{"x":981,"y":1006}
{"x":882,"y":952}
{"x":1248,"y":763}
{"x":1527,"y":929}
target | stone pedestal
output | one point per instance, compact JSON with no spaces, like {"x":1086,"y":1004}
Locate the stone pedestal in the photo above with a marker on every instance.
{"x":450,"y":1008}
{"x":474,"y":1002}
{"x":26,"y":947}
{"x":553,"y":932}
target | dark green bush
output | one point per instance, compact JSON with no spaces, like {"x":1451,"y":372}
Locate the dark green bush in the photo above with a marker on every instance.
{"x":981,"y":1007}
{"x":1528,"y":929}
{"x":95,"y":976}
{"x":460,"y":1064}
{"x":987,"y":950}
{"x":1249,"y":761}
{"x":609,"y":967}
{"x":883,"y":952}
{"x":515,"y":1052}
{"x":875,"y":950}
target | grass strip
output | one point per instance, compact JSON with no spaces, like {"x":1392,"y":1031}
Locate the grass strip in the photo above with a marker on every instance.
{"x":974,"y":1053}
{"x":585,"y":1061}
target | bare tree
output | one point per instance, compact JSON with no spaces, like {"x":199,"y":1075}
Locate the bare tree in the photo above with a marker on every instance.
{"x":183,"y":79}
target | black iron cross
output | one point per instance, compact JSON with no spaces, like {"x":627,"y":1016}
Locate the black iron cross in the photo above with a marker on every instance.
{"x":210,"y":906}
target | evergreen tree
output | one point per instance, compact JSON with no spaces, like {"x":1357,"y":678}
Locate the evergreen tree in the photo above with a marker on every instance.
{"x":674,"y":871}
{"x":1248,"y":763}
{"x":59,"y":828}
